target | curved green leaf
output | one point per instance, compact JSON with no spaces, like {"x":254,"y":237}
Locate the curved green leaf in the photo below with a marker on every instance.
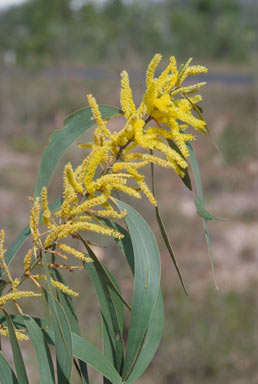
{"x":199,"y":203}
{"x":146,"y":282}
{"x":111,"y":308}
{"x":81,"y":349}
{"x":154,"y":332}
{"x":6,"y":373}
{"x":17,"y":356}
{"x":66,"y":302}
{"x":196,"y":172}
{"x":88,"y":353}
{"x":62,"y":331}
{"x":18,"y":321}
{"x":74,"y":126}
{"x":44,"y":359}
{"x":164,"y":233}
{"x":150,"y":343}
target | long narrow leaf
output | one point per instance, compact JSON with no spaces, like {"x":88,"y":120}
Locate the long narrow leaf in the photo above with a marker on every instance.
{"x":112,"y":310}
{"x":150,"y":343}
{"x":88,"y":353}
{"x":18,"y":321}
{"x":66,"y":302}
{"x":146,"y":283}
{"x":6,"y":373}
{"x":74,"y":126}
{"x":199,"y":203}
{"x":81,"y":349}
{"x":186,"y":179}
{"x":43,"y":355}
{"x":164,"y":234}
{"x":63,"y":339}
{"x":154,"y":332}
{"x":17,"y":356}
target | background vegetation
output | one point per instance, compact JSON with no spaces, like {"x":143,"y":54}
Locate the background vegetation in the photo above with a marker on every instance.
{"x":81,"y":32}
{"x":51,"y":55}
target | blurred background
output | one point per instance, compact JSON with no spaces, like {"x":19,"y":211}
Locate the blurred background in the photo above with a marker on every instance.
{"x":53,"y":53}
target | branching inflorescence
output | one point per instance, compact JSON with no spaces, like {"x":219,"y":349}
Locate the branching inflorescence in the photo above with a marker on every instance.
{"x":113,"y":164}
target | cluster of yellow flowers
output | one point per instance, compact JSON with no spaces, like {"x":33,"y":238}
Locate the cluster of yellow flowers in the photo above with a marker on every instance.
{"x":114,"y":163}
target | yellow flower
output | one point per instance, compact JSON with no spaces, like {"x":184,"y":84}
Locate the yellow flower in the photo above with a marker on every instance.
{"x":126,"y":98}
{"x":2,"y":239}
{"x":17,"y":295}
{"x":34,"y":219}
{"x":72,"y":179}
{"x":20,"y":335}
{"x":74,"y":252}
{"x":47,"y":218}
{"x":64,"y":288}
{"x":101,"y":132}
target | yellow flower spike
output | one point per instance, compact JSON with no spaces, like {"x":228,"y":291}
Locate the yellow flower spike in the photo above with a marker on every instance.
{"x":188,"y":89}
{"x":64,"y":230}
{"x":188,"y":118}
{"x":163,"y":103}
{"x":138,"y":126}
{"x":20,"y":335}
{"x":149,"y":159}
{"x":126,"y":97}
{"x":83,"y":218}
{"x":39,"y":277}
{"x":72,"y":179}
{"x":136,"y":175}
{"x":145,"y":189}
{"x":2,"y":239}
{"x":85,"y":145}
{"x":106,"y":181}
{"x":79,"y":255}
{"x":143,"y":186}
{"x":152,"y":68}
{"x":97,"y":116}
{"x":160,"y":132}
{"x":163,"y":78}
{"x":63,"y":288}
{"x":195,"y":99}
{"x":46,"y":217}
{"x":89,"y":227}
{"x":70,"y":199}
{"x":15,"y":284}
{"x":193,"y":70}
{"x":182,"y":70}
{"x":122,"y":137}
{"x":98,"y":200}
{"x":96,"y":158}
{"x":168,"y":78}
{"x":34,"y":219}
{"x":171,"y":154}
{"x":17,"y":295}
{"x":142,"y":110}
{"x":100,"y":229}
{"x":126,"y":165}
{"x":150,"y":95}
{"x":51,"y":238}
{"x":110,"y":213}
{"x":130,"y":191}
{"x":3,"y":264}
